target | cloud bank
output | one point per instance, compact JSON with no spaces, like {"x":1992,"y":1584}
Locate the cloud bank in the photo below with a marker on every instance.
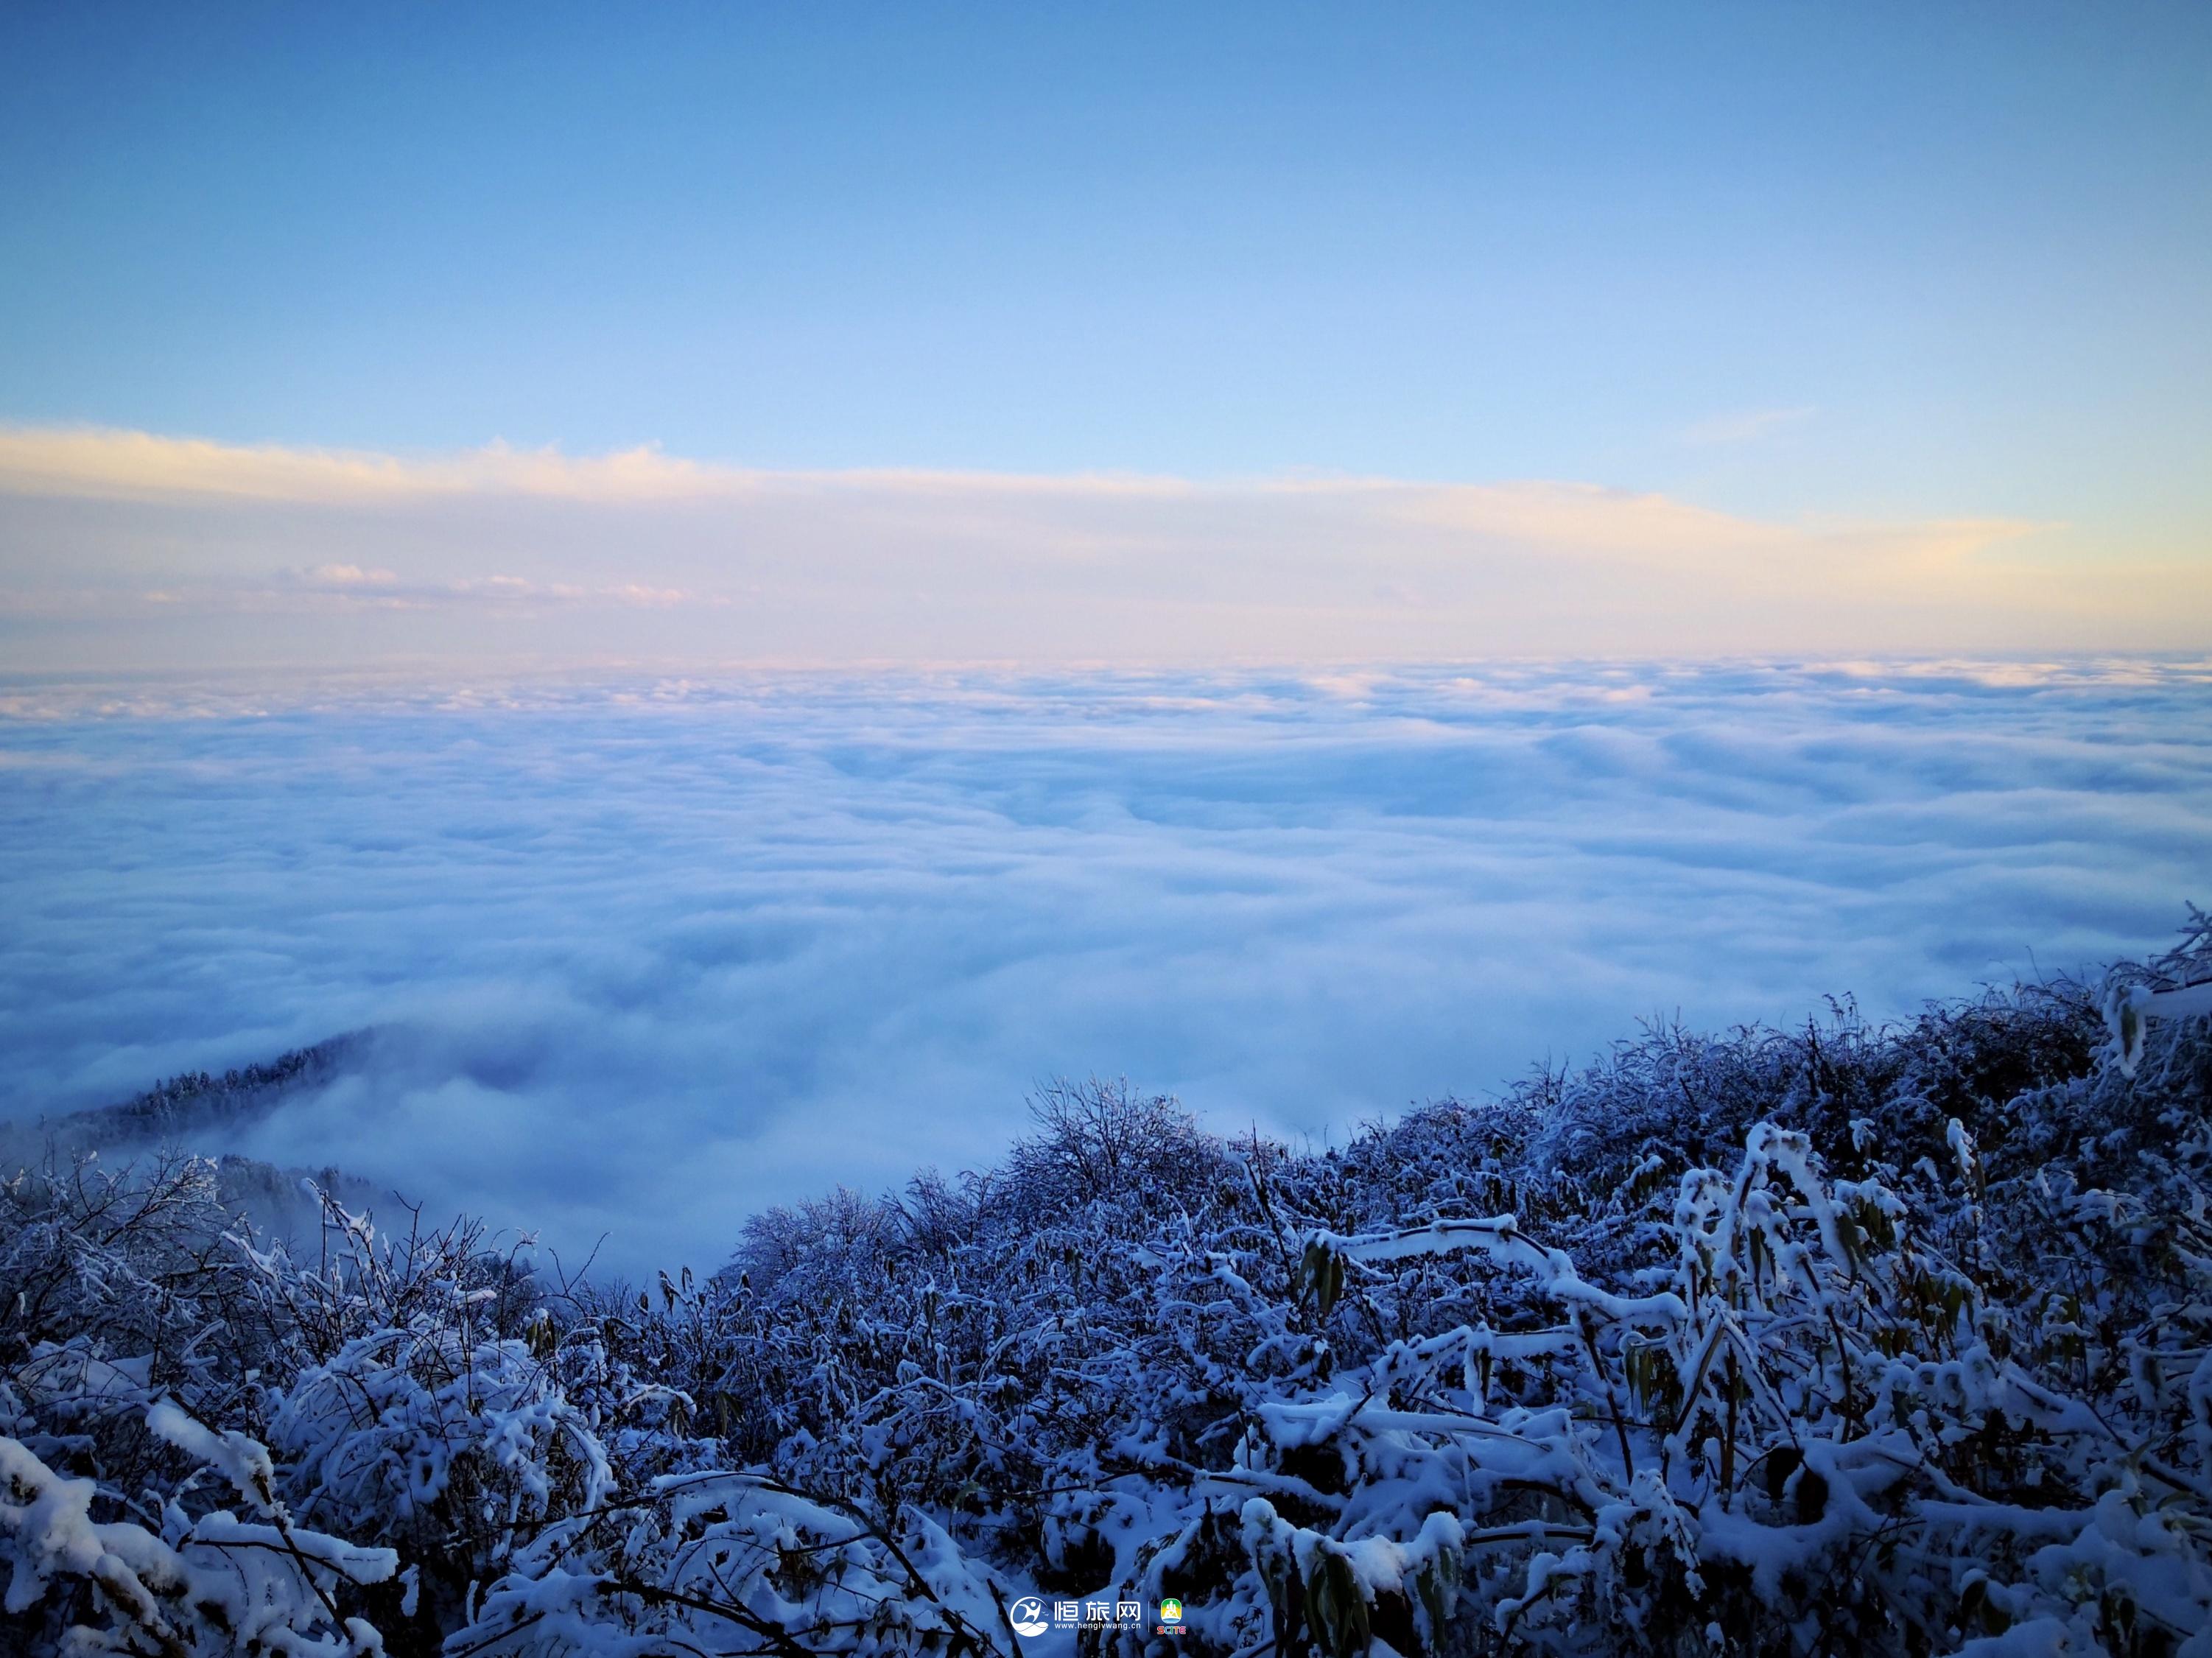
{"x":129,"y":549}
{"x":648,"y":953}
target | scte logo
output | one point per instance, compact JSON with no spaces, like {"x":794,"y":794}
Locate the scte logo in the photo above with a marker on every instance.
{"x":1027,"y":1616}
{"x":1170,"y":1611}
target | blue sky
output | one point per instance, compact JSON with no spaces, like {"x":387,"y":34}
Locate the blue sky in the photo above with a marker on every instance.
{"x":1894,"y":265}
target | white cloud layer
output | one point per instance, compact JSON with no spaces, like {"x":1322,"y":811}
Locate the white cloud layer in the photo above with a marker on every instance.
{"x":125,"y":549}
{"x":653,"y":953}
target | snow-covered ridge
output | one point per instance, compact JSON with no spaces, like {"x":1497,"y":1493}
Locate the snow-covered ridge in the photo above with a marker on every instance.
{"x":194,"y":1104}
{"x":1840,"y":1339}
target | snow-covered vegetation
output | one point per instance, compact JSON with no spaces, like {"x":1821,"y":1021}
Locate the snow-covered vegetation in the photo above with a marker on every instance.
{"x":1839,"y":1339}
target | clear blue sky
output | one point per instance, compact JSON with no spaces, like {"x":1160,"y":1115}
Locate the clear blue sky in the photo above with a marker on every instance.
{"x":1976,"y":241}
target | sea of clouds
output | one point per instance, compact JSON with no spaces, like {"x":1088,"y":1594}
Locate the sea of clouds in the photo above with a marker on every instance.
{"x":646,"y":954}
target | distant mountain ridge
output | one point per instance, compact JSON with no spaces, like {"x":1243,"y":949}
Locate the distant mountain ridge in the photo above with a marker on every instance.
{"x":195,"y":1111}
{"x":194,"y":1102}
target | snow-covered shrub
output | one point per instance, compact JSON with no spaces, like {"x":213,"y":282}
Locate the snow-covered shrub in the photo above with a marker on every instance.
{"x":118,"y":1282}
{"x":736,"y":1563}
{"x":407,"y":1385}
{"x":1821,"y":1429}
{"x":1847,"y":1339}
{"x":1100,"y":1140}
{"x":448,"y":1445}
{"x":192,"y":1587}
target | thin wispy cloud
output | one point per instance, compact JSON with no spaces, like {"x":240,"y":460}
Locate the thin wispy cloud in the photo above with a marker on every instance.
{"x":341,"y":585}
{"x":104,"y":462}
{"x":737,"y":563}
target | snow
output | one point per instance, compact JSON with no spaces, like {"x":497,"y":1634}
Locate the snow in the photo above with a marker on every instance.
{"x":1840,"y":1339}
